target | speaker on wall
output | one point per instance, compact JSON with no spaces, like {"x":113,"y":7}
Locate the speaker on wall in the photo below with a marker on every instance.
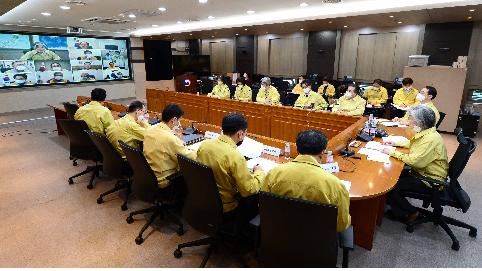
{"x":158,"y":60}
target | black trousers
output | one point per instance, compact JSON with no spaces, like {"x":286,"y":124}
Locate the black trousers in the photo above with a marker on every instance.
{"x":399,"y":204}
{"x":241,"y":216}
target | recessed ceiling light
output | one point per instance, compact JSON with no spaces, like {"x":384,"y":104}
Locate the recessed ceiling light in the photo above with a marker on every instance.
{"x":469,"y":18}
{"x":162,"y":9}
{"x":45,"y":14}
{"x":345,"y":26}
{"x":65,"y":7}
{"x":210,"y":17}
{"x":301,"y":29}
{"x":267,"y":32}
{"x":237,"y":34}
{"x":212,"y":36}
{"x":245,"y":29}
{"x":471,"y":10}
{"x":34,"y":19}
{"x":190,"y":34}
{"x":303,"y":5}
{"x":179,"y":22}
{"x":250,"y":11}
{"x":400,"y":22}
{"x":330,"y":22}
{"x":203,"y":1}
{"x":131,"y":15}
{"x":155,"y":25}
{"x":391,"y":16}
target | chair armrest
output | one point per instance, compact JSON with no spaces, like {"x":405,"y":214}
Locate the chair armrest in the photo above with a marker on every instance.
{"x":255,"y":222}
{"x":175,"y":177}
{"x":345,"y":238}
{"x":431,"y":181}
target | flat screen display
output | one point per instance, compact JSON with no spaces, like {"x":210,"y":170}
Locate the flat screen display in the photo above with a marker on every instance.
{"x":30,"y":60}
{"x":200,"y":65}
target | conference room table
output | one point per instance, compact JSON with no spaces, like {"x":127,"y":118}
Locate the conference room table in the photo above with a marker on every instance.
{"x":370,"y":180}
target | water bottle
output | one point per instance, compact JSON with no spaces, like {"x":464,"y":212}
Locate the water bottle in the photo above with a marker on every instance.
{"x":370,"y":120}
{"x":287,"y":150}
{"x":329,"y":157}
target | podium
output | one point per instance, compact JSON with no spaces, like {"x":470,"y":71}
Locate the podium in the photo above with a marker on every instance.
{"x":186,"y":83}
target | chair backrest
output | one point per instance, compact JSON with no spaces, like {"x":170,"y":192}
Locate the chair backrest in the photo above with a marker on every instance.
{"x":296,"y":233}
{"x":442,"y":117}
{"x":144,"y":183}
{"x":112,"y":163}
{"x":203,"y":209}
{"x":81,"y":146}
{"x":70,"y":109}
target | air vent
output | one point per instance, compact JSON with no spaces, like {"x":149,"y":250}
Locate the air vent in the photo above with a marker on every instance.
{"x":106,"y":20}
{"x":140,"y":12}
{"x":331,"y":1}
{"x":76,"y":2}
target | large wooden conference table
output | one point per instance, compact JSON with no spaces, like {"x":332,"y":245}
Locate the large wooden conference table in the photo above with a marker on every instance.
{"x":276,"y":125}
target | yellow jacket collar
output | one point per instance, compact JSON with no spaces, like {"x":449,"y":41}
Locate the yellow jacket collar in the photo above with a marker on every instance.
{"x":164,"y":126}
{"x":96,"y":103}
{"x":306,"y":159}
{"x":226,"y":139}
{"x":424,"y":132}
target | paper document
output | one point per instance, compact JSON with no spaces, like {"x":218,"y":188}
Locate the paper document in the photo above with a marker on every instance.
{"x":347,"y":185}
{"x":374,"y":145}
{"x":395,"y":139}
{"x":194,"y":147}
{"x":390,"y":123}
{"x":251,"y":148}
{"x":265,"y":164}
{"x":375,"y":155}
{"x":400,"y":108}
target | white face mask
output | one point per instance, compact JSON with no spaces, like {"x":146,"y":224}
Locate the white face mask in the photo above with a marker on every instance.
{"x":240,"y":86}
{"x":376,"y":88}
{"x":88,"y":55}
{"x":325,"y":84}
{"x":417,"y":129}
{"x":56,"y":68}
{"x":177,"y":127}
{"x":220,"y":83}
{"x":420,"y":97}
{"x":306,"y":90}
{"x":407,"y":89}
{"x":348,"y":95}
{"x":140,"y":118}
{"x":20,"y":82}
{"x":20,"y":68}
{"x":58,"y":78}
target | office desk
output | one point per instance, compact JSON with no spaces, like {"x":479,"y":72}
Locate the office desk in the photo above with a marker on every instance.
{"x":370,"y":180}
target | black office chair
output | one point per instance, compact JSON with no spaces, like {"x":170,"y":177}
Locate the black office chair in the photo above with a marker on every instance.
{"x":82,"y":148}
{"x":113,"y":165}
{"x":146,"y":188}
{"x":203,"y":209}
{"x":70,"y":109}
{"x":442,"y":117}
{"x":298,"y":233}
{"x":452,"y":195}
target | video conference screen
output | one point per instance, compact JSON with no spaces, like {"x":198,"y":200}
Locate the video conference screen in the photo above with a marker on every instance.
{"x":27,"y":60}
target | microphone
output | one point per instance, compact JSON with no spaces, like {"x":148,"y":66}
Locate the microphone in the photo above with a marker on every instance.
{"x":347,"y":152}
{"x":191,"y":130}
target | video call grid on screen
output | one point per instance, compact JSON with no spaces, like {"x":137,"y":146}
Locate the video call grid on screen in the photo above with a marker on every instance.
{"x":31,"y":59}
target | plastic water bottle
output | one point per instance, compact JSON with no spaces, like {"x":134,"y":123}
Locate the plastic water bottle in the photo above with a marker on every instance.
{"x":370,"y":120}
{"x":329,"y":157}
{"x":287,"y":150}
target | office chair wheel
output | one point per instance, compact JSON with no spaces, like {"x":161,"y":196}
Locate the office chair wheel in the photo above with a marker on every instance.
{"x":455,"y":246}
{"x":124,"y":207}
{"x":409,"y":228}
{"x":139,"y":240}
{"x":177,"y":253}
{"x":473,"y":233}
{"x":130,"y":220}
{"x":180,"y":231}
{"x":90,"y":187}
{"x":100,"y":200}
{"x":74,"y":163}
{"x":71,"y":181}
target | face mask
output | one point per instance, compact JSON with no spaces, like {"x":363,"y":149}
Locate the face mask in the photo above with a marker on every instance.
{"x":88,"y":55}
{"x":56,"y":68}
{"x":140,"y":118}
{"x":407,"y":88}
{"x":417,"y":129}
{"x":306,"y":90}
{"x":239,"y":143}
{"x":20,"y":82}
{"x":20,"y":68}
{"x":420,"y":97}
{"x":325,"y":84}
{"x":240,"y":86}
{"x":376,"y":88}
{"x":220,"y":83}
{"x":348,"y":95}
{"x":58,"y":78}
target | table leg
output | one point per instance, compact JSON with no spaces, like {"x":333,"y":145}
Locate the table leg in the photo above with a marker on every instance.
{"x":59,"y":115}
{"x":364,"y":218}
{"x":381,"y":209}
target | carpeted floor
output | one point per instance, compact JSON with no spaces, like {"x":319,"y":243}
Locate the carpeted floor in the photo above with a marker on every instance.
{"x":48,"y":223}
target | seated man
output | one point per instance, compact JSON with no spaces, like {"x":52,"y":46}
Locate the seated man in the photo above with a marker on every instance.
{"x":427,"y":156}
{"x":298,"y":89}
{"x":405,"y":97}
{"x":243,"y":91}
{"x":130,"y":128}
{"x":425,"y":97}
{"x":230,"y":169}
{"x":310,"y":99}
{"x":97,"y":117}
{"x":327,"y":90}
{"x":303,"y":178}
{"x":221,"y":90}
{"x":162,"y":144}
{"x":351,"y":103}
{"x":376,"y":94}
{"x":267,"y":93}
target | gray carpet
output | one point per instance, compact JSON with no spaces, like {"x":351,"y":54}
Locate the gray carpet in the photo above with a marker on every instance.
{"x":47,"y":223}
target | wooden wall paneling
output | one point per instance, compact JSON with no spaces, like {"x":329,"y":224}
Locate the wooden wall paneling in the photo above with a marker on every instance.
{"x":383,"y":57}
{"x":228,"y":57}
{"x":364,"y":58}
{"x":262,"y":59}
{"x":406,"y":46}
{"x":194,"y":107}
{"x":287,"y":122}
{"x":348,"y":53}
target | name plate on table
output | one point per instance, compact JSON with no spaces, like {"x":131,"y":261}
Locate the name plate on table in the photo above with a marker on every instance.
{"x":271,"y":150}
{"x":211,"y":135}
{"x":330,"y":167}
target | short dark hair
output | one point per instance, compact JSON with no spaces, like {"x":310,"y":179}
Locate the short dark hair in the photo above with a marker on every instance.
{"x":20,"y":74}
{"x":234,"y":122}
{"x":134,"y":106}
{"x":326,"y":79}
{"x":171,"y":111}
{"x":307,"y":83}
{"x":98,"y":94}
{"x":58,"y":74}
{"x":51,"y":64}
{"x":241,"y":80}
{"x":87,"y":51}
{"x":378,"y":81}
{"x":431,"y":91}
{"x":407,"y":81}
{"x":312,"y":142}
{"x":355,"y":86}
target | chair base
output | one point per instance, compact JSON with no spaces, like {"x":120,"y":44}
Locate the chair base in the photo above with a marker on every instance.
{"x":95,"y":173}
{"x":158,"y":210}
{"x":210,"y":241}
{"x":119,"y":185}
{"x":438,"y":219}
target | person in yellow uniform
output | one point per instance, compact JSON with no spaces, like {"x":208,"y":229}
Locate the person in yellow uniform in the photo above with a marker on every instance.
{"x":130,"y":129}
{"x":97,"y":117}
{"x":376,"y":95}
{"x":327,"y":89}
{"x":230,"y":170}
{"x":162,"y":144}
{"x":310,"y":99}
{"x":303,"y":178}
{"x":425,"y":97}
{"x":220,"y":90}
{"x":427,"y":156}
{"x":351,"y":103}
{"x":40,"y":52}
{"x":298,"y":89}
{"x":243,"y":92}
{"x":406,"y":96}
{"x":267,"y":93}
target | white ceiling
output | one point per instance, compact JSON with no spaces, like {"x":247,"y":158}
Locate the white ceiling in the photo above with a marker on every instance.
{"x":28,"y":13}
